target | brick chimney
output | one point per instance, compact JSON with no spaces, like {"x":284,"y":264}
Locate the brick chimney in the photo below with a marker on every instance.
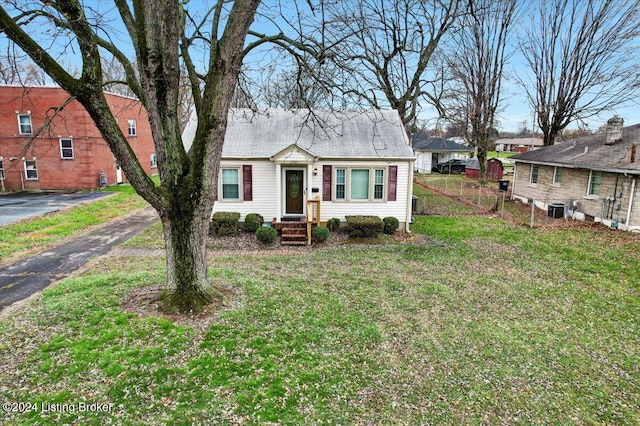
{"x":613,"y":134}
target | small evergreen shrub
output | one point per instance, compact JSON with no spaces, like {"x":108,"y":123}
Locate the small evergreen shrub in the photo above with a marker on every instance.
{"x":252,"y":222}
{"x":224,"y":224}
{"x":333,"y":224}
{"x":266,"y":234}
{"x":364,"y":226}
{"x":319,"y":234}
{"x":391,"y":224}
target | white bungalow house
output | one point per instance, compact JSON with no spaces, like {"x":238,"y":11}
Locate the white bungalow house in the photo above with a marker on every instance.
{"x":351,"y":163}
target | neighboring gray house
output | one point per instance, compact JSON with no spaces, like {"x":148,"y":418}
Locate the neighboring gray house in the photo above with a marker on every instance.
{"x":351,"y":163}
{"x":595,"y":177}
{"x":430,"y":151}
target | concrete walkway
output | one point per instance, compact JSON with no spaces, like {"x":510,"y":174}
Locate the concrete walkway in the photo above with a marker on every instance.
{"x":24,"y":278}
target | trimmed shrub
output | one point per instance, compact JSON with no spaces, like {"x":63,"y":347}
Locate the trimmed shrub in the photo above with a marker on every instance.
{"x":266,"y":234}
{"x":391,"y":224}
{"x":319,"y":234}
{"x":364,"y":226}
{"x":333,"y":224}
{"x":224,"y":224}
{"x":252,"y":222}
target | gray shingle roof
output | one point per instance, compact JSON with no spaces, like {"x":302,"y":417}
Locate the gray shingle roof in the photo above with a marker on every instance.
{"x":590,"y":152}
{"x":325,"y":134}
{"x":435,"y":144}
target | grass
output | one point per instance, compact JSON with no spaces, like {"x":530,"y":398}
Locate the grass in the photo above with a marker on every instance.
{"x":35,"y":234}
{"x":499,"y":324}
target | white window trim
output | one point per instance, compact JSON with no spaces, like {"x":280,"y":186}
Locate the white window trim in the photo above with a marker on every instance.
{"x":154,"y":160}
{"x":240,"y":186}
{"x":531,"y":182}
{"x":132,"y":128}
{"x":1,"y":169}
{"x":589,"y":195}
{"x":26,"y":175}
{"x":372,"y":170}
{"x":20,"y":124}
{"x":61,"y":149}
{"x":554,"y":181}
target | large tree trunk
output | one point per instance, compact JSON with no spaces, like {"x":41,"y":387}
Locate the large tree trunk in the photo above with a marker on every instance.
{"x":188,"y":288}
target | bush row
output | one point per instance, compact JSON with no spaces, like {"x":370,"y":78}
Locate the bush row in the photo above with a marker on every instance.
{"x":227,"y":223}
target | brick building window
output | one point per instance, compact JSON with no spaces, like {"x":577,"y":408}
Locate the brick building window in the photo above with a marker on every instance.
{"x":154,"y":161}
{"x":30,"y":170}
{"x":595,"y":178}
{"x":533,"y":177}
{"x":557,"y":175}
{"x":66,"y":148}
{"x":1,"y":170}
{"x":131,"y":125}
{"x":24,"y":124}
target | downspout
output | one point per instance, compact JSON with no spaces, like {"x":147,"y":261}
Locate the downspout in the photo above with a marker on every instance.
{"x":633,"y":190}
{"x":409,"y":195}
{"x":515,"y":179}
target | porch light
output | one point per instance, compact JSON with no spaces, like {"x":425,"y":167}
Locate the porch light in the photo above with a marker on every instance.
{"x":315,"y":171}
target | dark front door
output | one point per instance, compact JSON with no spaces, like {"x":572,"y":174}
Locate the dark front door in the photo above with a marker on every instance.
{"x":294,"y":191}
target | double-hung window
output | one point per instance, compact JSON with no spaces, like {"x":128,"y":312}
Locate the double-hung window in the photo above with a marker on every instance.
{"x":341,"y":184}
{"x":595,"y":178}
{"x":378,"y":184}
{"x":24,"y":124}
{"x":1,"y":170}
{"x":131,"y":125}
{"x":230,"y":184}
{"x":31,"y":170}
{"x":533,"y":178}
{"x":66,"y":148}
{"x":154,"y":161}
{"x":557,"y":175}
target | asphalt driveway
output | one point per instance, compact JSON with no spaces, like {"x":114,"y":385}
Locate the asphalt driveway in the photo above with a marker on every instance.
{"x":24,"y":278}
{"x":22,"y":205}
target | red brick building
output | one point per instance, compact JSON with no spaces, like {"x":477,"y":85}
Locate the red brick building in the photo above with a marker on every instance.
{"x":47,"y":145}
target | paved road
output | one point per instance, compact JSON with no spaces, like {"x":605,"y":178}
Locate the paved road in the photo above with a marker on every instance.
{"x":21,"y":205}
{"x":21,"y":280}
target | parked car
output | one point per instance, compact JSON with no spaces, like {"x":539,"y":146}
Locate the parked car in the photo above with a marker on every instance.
{"x":451,"y":166}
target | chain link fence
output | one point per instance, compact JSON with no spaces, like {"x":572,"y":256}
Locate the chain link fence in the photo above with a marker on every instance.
{"x":458,"y":196}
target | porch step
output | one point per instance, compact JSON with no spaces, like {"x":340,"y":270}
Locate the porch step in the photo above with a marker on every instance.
{"x":294,"y":233}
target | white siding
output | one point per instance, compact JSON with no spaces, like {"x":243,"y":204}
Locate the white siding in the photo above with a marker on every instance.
{"x":264,"y":192}
{"x":423,"y":162}
{"x":340,"y":209}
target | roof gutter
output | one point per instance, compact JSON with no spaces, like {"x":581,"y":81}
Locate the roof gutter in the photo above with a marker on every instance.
{"x":581,"y":166}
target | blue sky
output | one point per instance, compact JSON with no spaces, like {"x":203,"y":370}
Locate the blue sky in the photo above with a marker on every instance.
{"x":514,"y":108}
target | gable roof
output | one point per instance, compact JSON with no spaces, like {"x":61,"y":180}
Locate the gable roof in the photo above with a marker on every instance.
{"x":435,"y":144}
{"x":590,"y":152}
{"x":324,"y":134}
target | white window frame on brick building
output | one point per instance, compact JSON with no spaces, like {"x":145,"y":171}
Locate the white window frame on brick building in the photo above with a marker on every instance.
{"x":1,"y":168}
{"x":24,"y":124}
{"x":66,"y":148}
{"x":154,"y":161}
{"x":30,"y":169}
{"x":595,"y":181}
{"x":132,"y":129}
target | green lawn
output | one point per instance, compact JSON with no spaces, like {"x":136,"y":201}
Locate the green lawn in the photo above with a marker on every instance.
{"x":488,"y":323}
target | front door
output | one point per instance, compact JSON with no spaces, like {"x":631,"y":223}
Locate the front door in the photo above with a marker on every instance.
{"x":294,"y":191}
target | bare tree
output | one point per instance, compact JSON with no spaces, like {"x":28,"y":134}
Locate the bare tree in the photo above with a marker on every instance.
{"x":384,"y":49}
{"x":475,"y":61}
{"x":582,"y":58}
{"x":163,"y":36}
